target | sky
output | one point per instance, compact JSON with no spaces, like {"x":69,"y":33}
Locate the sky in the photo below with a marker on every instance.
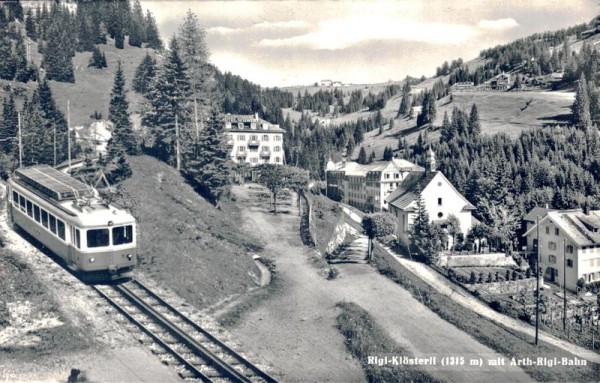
{"x":287,"y":43}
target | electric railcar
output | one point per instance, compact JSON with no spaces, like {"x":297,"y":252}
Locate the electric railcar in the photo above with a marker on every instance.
{"x":67,"y":216}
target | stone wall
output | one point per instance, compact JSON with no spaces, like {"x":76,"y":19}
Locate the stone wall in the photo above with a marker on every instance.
{"x":341,"y":231}
{"x":477,"y":260}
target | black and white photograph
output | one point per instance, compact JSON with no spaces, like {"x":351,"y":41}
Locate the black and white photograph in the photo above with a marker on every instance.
{"x":299,"y":191}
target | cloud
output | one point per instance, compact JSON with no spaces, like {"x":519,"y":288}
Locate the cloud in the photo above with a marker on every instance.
{"x":498,"y":25}
{"x":262,"y":26}
{"x":289,"y":24}
{"x":338,"y":34}
{"x":223,"y":30}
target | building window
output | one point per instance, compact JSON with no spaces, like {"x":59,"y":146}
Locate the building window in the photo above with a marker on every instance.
{"x":254,"y":160}
{"x":253,"y":138}
{"x":277,"y":159}
{"x":277,"y":138}
{"x":556,"y":231}
{"x":241,"y":137}
{"x":265,"y":137}
{"x":440,"y":214}
{"x":396,"y":175}
{"x":253,"y":125}
{"x":547,"y":229}
{"x":387,"y":176}
{"x":277,"y":149}
{"x":439,"y":202}
{"x":241,"y":148}
{"x":240,"y":125}
{"x":569,"y":263}
{"x":552,"y":258}
{"x":570,"y":249}
{"x":552,"y":245}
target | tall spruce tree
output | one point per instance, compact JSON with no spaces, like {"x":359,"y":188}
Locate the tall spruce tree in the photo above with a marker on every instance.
{"x":581,"y":107}
{"x":362,"y":156}
{"x":136,"y":26}
{"x":473,"y":126}
{"x":208,"y":165}
{"x":8,"y":125}
{"x":152,"y":36}
{"x":118,"y":114}
{"x":144,"y":74}
{"x":168,"y":97}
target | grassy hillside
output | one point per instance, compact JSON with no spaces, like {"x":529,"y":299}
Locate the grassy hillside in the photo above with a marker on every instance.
{"x":506,"y":112}
{"x":198,"y":251}
{"x":91,"y":90}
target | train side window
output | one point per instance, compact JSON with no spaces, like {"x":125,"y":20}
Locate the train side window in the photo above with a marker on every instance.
{"x":44,"y":218}
{"x":29,"y":208}
{"x":77,"y":239}
{"x":60,"y":228}
{"x":15,"y":198}
{"x":52,"y":220}
{"x":97,"y":238}
{"x":36,"y":213}
{"x":122,"y":235}
{"x":22,"y":202}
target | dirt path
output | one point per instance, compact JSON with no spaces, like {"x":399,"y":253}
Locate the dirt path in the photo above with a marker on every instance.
{"x":295,"y":329}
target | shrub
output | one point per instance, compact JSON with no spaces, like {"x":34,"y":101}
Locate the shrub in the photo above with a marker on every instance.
{"x":489,"y":277}
{"x":514,"y":275}
{"x":332,"y":273}
{"x":480,"y":279}
{"x":472,"y":279}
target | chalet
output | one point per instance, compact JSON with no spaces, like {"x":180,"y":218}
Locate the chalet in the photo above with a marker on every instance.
{"x":366,"y":186}
{"x":501,"y":82}
{"x":440,"y":198}
{"x":253,"y":140}
{"x":569,"y":246}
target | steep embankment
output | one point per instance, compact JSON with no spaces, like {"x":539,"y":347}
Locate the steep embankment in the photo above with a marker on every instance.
{"x":198,"y":251}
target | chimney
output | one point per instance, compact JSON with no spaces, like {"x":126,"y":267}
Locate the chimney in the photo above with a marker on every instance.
{"x":256,"y":116}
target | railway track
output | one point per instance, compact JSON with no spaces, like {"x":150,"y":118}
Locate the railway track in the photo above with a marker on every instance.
{"x":200,"y":354}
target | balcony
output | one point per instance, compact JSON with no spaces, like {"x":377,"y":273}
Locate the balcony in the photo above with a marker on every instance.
{"x":230,"y":142}
{"x":253,"y":143}
{"x":265,"y":153}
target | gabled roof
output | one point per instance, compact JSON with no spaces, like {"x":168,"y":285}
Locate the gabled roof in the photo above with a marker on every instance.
{"x":410,"y":188}
{"x":413,"y":185}
{"x":580,"y":228}
{"x":355,"y":169}
{"x":537,"y":211}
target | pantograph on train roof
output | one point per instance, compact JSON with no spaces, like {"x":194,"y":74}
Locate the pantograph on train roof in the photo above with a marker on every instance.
{"x":54,"y":183}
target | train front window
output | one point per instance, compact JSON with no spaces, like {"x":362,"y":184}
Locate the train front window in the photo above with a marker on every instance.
{"x":97,"y":238}
{"x":77,"y":239}
{"x":15,"y":198}
{"x":122,"y":235}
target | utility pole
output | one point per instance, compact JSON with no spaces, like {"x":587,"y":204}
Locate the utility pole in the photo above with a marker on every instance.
{"x":20,"y":142}
{"x":537,"y":283}
{"x":177,"y":143}
{"x":564,"y":284}
{"x":69,"y":133}
{"x":54,"y":144}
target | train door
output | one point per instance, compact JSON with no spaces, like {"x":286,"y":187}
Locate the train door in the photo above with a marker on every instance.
{"x":72,"y":254}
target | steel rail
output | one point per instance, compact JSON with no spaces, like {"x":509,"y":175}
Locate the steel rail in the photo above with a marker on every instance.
{"x":212,"y":338}
{"x":147,"y":331}
{"x":214,"y":361}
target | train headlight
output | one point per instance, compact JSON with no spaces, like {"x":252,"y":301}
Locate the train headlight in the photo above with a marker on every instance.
{"x":129,"y":256}
{"x":92,"y":260}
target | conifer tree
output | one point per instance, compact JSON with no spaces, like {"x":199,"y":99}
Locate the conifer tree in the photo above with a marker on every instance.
{"x":8,"y":125}
{"x":362,"y":156}
{"x":152,"y":36}
{"x":168,"y":97}
{"x":474,"y":127}
{"x":144,"y":74}
{"x":136,"y":26}
{"x":350,"y":147}
{"x":30,"y":26}
{"x":7,"y":62}
{"x":118,"y":114}
{"x":57,"y":59}
{"x":581,"y":106}
{"x":208,"y":165}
